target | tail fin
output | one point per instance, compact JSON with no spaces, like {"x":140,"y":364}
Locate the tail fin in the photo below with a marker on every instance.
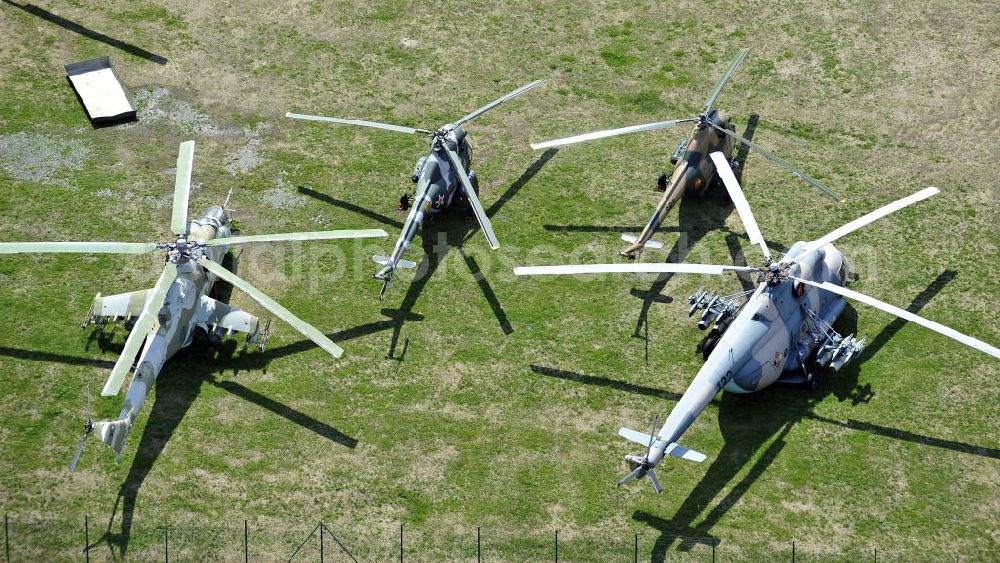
{"x":630,"y":238}
{"x":113,"y":433}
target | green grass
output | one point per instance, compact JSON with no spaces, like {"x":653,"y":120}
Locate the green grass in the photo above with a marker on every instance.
{"x":516,"y":432}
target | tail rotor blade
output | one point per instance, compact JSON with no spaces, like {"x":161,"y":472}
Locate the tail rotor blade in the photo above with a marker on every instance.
{"x":495,"y":103}
{"x":638,"y":472}
{"x":798,"y":173}
{"x":477,"y":206}
{"x":865,"y":220}
{"x":725,"y":78}
{"x":78,"y":247}
{"x":141,"y":329}
{"x":725,"y":172}
{"x":654,"y":481}
{"x":608,"y":133}
{"x":286,"y":237}
{"x":309,"y":331}
{"x":79,"y":452}
{"x":359,"y":122}
{"x":904,"y":314}
{"x":182,"y":188}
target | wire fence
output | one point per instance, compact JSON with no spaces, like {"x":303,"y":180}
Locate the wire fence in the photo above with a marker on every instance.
{"x":27,"y":539}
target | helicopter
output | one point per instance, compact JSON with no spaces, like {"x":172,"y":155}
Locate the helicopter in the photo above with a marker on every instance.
{"x":437,"y":177}
{"x":178,"y":308}
{"x":780,"y":331}
{"x":713,"y":132}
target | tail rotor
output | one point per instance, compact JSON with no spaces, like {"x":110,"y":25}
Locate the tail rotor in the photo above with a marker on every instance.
{"x":643,"y":465}
{"x":88,"y":428}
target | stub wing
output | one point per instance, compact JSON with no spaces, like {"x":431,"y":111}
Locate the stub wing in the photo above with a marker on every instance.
{"x":112,"y":308}
{"x":218,"y":317}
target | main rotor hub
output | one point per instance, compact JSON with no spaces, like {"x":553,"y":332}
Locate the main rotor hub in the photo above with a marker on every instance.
{"x":182,"y":251}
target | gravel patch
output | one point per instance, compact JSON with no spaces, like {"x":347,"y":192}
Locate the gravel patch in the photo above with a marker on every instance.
{"x":41,"y":158}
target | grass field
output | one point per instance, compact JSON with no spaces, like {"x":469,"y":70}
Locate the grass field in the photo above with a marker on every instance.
{"x":468,"y":400}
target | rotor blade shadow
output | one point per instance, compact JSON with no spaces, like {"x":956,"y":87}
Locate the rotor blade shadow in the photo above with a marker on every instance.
{"x":744,"y":151}
{"x":53,"y":357}
{"x":918,"y":303}
{"x":491,"y":297}
{"x":603,"y":228}
{"x":350,"y":207}
{"x":605,"y":382}
{"x":89,"y":33}
{"x":303,"y":420}
{"x":520,"y":182}
{"x":961,"y":447}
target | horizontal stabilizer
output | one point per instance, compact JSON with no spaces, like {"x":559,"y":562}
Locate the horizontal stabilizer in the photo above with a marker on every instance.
{"x":630,"y":238}
{"x":384,"y":260}
{"x":680,"y":451}
{"x":640,"y":438}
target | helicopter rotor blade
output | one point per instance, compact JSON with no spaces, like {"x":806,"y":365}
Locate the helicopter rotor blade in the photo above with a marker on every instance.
{"x":78,"y":247}
{"x":725,"y":78}
{"x":477,"y":206}
{"x":652,"y":436}
{"x":140,"y":330}
{"x":360,"y":122}
{"x":736,"y":194}
{"x":609,"y":133}
{"x":654,"y":481}
{"x":795,"y":171}
{"x":499,"y":101}
{"x":864,"y":220}
{"x":904,"y":314}
{"x":286,"y":237}
{"x":637,"y":268}
{"x":182,"y":188}
{"x":308,"y":330}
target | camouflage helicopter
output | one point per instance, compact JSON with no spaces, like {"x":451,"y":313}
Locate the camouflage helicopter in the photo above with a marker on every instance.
{"x":437,"y":177}
{"x":167,"y":316}
{"x":781,"y":331}
{"x":713,"y":132}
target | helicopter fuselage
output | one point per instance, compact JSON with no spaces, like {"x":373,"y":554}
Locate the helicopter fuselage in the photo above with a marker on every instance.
{"x":694,"y":171}
{"x":437,"y":187}
{"x":769,"y":336}
{"x":185,"y":308}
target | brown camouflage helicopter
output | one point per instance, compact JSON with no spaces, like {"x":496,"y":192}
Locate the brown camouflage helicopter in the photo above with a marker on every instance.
{"x":713,"y":132}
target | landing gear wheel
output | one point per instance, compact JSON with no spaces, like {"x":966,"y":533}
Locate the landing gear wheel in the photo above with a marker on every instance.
{"x":810,"y":383}
{"x":706,"y":351}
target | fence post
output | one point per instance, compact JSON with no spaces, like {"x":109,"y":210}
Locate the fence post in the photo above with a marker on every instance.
{"x":479,"y":547}
{"x":321,"y":527}
{"x":635,"y":553}
{"x":557,"y":546}
{"x":6,"y":538}
{"x":713,"y":549}
{"x":793,"y":552}
{"x":400,"y":542}
{"x":166,"y":544}
{"x":246,"y":541}
{"x":86,"y":538}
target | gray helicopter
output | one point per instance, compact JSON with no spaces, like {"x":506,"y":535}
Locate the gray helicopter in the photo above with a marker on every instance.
{"x":781,"y":331}
{"x":437,"y":177}
{"x":713,"y":131}
{"x":167,"y":316}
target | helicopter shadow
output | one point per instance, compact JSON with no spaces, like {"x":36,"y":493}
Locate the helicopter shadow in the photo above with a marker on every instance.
{"x":178,"y":386}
